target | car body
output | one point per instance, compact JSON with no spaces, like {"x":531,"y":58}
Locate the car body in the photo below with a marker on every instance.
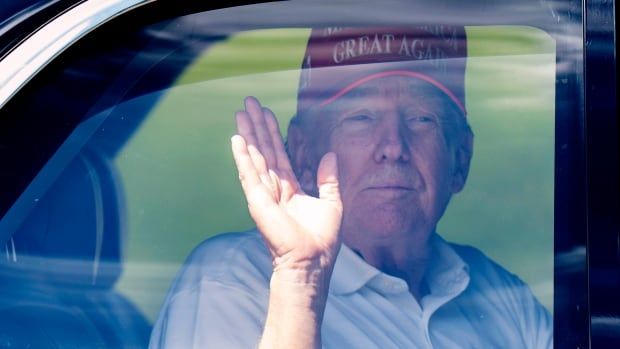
{"x":113,"y":115}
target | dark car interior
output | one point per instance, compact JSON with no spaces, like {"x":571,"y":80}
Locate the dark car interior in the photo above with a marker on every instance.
{"x":61,"y":265}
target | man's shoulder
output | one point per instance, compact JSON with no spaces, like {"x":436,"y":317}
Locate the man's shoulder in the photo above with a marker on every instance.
{"x":225,"y":278}
{"x":227,"y":246}
{"x":500,"y":292}
{"x":490,"y":282}
{"x":483,"y":269}
{"x":227,"y":258}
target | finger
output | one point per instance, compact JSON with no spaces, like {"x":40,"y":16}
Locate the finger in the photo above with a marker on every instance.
{"x":288,"y":184}
{"x":245,"y":129}
{"x":265,"y":144}
{"x":278,"y":146}
{"x":251,"y":183}
{"x":248,"y":176}
{"x":261,"y":167}
{"x":327,"y":179}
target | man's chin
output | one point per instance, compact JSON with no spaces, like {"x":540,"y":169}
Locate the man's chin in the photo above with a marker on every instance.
{"x":389,"y":226}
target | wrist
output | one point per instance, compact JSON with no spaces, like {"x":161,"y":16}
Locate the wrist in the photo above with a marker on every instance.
{"x":297,"y":303}
{"x":301,"y":284}
{"x":299,"y":288}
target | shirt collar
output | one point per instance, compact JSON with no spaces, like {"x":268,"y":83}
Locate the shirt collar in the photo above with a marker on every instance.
{"x":351,"y":272}
{"x":446,"y":274}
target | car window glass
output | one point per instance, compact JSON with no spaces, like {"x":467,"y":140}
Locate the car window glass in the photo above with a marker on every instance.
{"x":158,"y":138}
{"x":195,"y":194}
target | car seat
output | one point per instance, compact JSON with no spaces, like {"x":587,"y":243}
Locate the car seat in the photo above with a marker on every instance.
{"x":58,"y":271}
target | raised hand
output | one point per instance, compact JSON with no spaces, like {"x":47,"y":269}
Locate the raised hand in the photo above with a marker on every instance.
{"x":301,"y":231}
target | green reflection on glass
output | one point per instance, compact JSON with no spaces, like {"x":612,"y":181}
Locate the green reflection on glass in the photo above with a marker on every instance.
{"x":181,"y":186}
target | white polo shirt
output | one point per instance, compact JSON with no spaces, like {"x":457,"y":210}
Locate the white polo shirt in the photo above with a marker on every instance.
{"x":220,"y":299}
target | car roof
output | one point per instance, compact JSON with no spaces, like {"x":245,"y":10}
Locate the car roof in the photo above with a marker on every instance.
{"x":19,"y":19}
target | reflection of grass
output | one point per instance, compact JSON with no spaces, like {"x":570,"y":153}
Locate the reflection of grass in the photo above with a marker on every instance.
{"x":253,"y":52}
{"x":508,"y":40}
{"x":506,"y":208}
{"x":182,"y":188}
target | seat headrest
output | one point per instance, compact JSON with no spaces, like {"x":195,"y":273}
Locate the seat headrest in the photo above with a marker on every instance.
{"x":74,"y":236}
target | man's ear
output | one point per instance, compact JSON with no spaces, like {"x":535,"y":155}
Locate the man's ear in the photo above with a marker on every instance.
{"x":462,"y":159}
{"x":301,"y":160}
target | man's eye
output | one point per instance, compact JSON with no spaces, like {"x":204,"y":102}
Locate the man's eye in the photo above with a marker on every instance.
{"x":421,"y":121}
{"x":421,"y":118}
{"x":358,"y":117}
{"x":357,"y":123}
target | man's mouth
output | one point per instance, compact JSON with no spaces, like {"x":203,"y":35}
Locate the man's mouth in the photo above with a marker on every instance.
{"x":390,"y":192}
{"x":396,"y":188}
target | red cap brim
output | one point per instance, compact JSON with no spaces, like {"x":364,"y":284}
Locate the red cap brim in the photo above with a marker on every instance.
{"x":407,"y":73}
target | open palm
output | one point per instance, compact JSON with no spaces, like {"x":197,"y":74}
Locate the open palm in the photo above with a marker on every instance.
{"x":300,"y":230}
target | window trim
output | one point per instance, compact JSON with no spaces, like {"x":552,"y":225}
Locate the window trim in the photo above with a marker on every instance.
{"x":51,"y":39}
{"x":602,"y":148}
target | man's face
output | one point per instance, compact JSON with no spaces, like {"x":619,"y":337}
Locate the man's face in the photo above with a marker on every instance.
{"x":398,"y":147}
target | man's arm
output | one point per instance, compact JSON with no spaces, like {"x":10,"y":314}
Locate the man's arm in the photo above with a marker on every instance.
{"x":301,"y":232}
{"x":295,"y":312}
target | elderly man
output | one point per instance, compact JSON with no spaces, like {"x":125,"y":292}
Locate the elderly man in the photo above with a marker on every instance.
{"x":346,"y":254}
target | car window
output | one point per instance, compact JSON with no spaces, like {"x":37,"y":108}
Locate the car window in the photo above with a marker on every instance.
{"x":148,"y":172}
{"x":512,"y":170}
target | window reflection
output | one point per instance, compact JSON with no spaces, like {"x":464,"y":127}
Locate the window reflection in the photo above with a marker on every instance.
{"x":505,"y":210}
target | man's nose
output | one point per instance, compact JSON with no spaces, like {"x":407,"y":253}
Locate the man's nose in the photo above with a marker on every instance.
{"x":393,"y":142}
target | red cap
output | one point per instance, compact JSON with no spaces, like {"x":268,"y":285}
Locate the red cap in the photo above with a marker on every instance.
{"x":340,"y":59}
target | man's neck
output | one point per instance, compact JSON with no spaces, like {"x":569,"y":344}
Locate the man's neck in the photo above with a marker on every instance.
{"x":408,"y":261}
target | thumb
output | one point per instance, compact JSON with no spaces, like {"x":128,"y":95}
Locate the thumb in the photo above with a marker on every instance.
{"x":327,"y":178}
